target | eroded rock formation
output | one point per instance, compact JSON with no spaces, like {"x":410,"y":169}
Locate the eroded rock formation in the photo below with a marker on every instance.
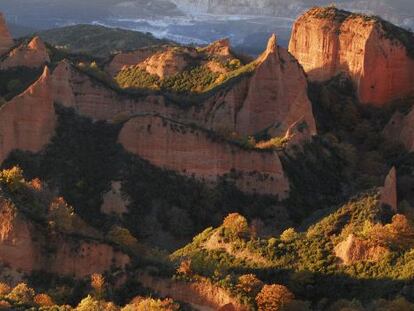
{"x":6,"y":40}
{"x":354,"y":250}
{"x":113,"y":201}
{"x":127,"y":59}
{"x":401,"y":128}
{"x":201,"y":294}
{"x":23,"y":247}
{"x":27,"y":122}
{"x":194,"y":152}
{"x":32,"y":55}
{"x":376,"y":55}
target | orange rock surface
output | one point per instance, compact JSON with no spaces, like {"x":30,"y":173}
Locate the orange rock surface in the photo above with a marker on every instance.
{"x":27,"y":122}
{"x":202,"y":294}
{"x":193,"y":152}
{"x":32,"y":55}
{"x":276,"y":96}
{"x":353,"y":250}
{"x":22,"y":247}
{"x":327,"y":41}
{"x":6,"y":40}
{"x":128,"y":59}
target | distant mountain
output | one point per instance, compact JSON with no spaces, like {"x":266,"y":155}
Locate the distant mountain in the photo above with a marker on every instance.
{"x":396,"y":11}
{"x":98,"y":40}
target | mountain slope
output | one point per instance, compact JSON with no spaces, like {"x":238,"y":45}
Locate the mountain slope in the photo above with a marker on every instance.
{"x":98,"y":40}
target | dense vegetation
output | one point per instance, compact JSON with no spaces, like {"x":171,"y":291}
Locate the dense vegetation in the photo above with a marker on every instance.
{"x":98,"y":41}
{"x":84,"y":157}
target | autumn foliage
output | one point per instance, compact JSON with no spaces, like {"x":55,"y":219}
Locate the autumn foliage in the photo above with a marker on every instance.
{"x":273,"y":297}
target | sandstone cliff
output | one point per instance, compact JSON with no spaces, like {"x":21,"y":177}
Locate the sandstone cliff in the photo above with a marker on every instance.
{"x":194,"y":152}
{"x":32,"y":55}
{"x":201,"y":294}
{"x":25,"y":246}
{"x":277,"y":95}
{"x":6,"y":40}
{"x":27,"y":122}
{"x":127,"y":59}
{"x":400,"y":128}
{"x":376,"y":55}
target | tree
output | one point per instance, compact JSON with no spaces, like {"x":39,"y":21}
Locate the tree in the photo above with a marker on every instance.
{"x":22,"y":294}
{"x":249,"y":284}
{"x":43,"y":300}
{"x":273,"y":297}
{"x":236,"y":225}
{"x":98,"y":284}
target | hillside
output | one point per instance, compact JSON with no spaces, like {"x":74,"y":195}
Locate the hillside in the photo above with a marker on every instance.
{"x":97,"y":40}
{"x":137,"y":174}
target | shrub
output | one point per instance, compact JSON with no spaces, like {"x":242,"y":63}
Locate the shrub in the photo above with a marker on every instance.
{"x":4,"y":289}
{"x":21,"y":294}
{"x":249,"y":284}
{"x":147,"y":304}
{"x":43,"y":300}
{"x":12,"y":178}
{"x":273,"y":298}
{"x":236,"y":225}
{"x":288,"y":235}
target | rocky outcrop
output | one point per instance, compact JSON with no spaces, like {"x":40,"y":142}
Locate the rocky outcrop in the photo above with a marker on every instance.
{"x":27,"y":122}
{"x":24,"y":246}
{"x":220,"y":48}
{"x":276,"y":96}
{"x":201,"y":294}
{"x":127,"y":59}
{"x":401,"y":129}
{"x":113,"y":201}
{"x":17,"y":248}
{"x":246,"y":106}
{"x":6,"y":40}
{"x":84,"y":258}
{"x":388,"y":193}
{"x":32,"y":55}
{"x":197,"y":153}
{"x":376,"y":55}
{"x":165,"y":64}
{"x":354,"y":250}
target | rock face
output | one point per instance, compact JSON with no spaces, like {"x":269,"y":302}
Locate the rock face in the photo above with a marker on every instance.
{"x":32,"y":55}
{"x":6,"y":40}
{"x":247,"y":106}
{"x":23,"y":247}
{"x":353,"y":250}
{"x":327,"y":41}
{"x":192,"y":152}
{"x":201,"y":294}
{"x":113,"y":200}
{"x":220,"y":48}
{"x":400,"y":128}
{"x":388,"y":193}
{"x":277,"y":95}
{"x":27,"y":122}
{"x":165,"y":64}
{"x":87,"y":258}
{"x":128,"y":59}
